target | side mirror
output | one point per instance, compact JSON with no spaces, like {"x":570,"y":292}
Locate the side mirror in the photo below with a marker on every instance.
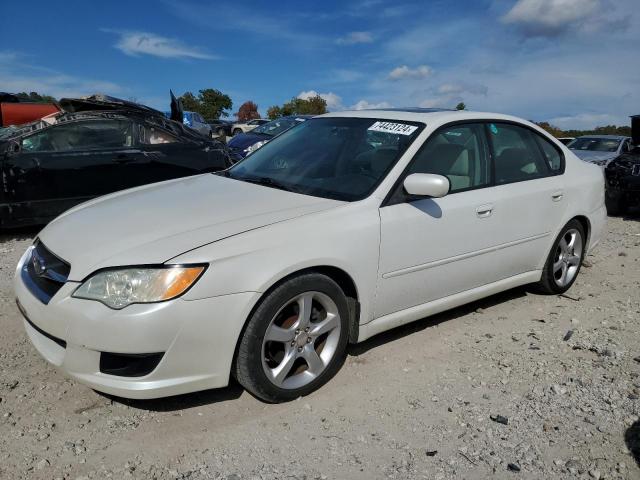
{"x":426,"y":185}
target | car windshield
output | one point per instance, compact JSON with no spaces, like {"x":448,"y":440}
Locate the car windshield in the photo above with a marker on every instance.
{"x":595,"y":144}
{"x":338,"y":158}
{"x":275,"y":127}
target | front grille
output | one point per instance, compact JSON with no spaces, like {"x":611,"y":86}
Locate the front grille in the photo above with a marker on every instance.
{"x":44,"y":273}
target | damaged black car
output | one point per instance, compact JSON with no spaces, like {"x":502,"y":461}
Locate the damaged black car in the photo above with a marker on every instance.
{"x":95,"y":146}
{"x":623,"y":176}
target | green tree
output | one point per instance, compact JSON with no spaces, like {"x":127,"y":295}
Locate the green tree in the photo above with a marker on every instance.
{"x":210,"y":103}
{"x":35,"y":97}
{"x":274,"y":112}
{"x":299,"y":106}
{"x":247,"y":111}
{"x":461,"y":106}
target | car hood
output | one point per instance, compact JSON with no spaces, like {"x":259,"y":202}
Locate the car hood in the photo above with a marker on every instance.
{"x":157,"y":222}
{"x":591,"y":156}
{"x":244,"y":140}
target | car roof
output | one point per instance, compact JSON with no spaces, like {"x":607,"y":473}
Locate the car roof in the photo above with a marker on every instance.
{"x":610,"y":137}
{"x":427,"y":115}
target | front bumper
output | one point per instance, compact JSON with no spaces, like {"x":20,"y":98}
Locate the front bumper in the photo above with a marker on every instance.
{"x":197,"y":339}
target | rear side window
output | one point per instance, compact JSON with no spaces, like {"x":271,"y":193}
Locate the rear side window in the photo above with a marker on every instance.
{"x":155,"y":136}
{"x":516,"y":154}
{"x":86,"y":135}
{"x":458,"y":153}
{"x":551,"y":154}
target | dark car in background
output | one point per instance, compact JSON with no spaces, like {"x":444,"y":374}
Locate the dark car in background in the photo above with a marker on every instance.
{"x":623,"y":175}
{"x":95,"y":146}
{"x":243,"y":144}
{"x":220,"y":128}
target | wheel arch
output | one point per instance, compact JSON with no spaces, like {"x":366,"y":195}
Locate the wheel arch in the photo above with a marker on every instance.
{"x":338,"y":275}
{"x":586,"y":225}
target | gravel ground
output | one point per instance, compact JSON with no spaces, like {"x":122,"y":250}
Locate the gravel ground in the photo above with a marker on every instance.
{"x":500,"y":388}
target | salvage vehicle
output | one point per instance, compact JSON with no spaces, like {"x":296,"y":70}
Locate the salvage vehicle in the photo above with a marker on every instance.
{"x":243,"y":144}
{"x":95,"y":146}
{"x":623,"y":176}
{"x":600,"y":149}
{"x":244,"y":127}
{"x":345,"y":226}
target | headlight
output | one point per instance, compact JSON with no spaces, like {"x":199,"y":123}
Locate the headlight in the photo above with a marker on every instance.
{"x":122,"y":287}
{"x":255,"y":147}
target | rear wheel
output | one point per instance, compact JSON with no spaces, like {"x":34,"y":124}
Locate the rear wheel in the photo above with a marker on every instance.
{"x":296,"y":339}
{"x":564,"y":260}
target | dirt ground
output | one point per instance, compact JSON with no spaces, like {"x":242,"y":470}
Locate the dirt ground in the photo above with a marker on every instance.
{"x":423,"y":401}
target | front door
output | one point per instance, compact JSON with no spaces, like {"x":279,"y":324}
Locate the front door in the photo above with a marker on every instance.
{"x":431,"y":248}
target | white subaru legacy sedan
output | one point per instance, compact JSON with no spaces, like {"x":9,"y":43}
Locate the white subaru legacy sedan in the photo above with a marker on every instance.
{"x":347,"y":225}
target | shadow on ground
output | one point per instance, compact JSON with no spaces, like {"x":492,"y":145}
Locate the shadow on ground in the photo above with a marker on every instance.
{"x":18,"y":234}
{"x":632,"y":439}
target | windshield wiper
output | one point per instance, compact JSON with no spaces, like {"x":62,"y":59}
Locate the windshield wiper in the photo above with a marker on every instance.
{"x":268,"y":182}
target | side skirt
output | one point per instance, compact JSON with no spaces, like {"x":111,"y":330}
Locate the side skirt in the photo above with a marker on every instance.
{"x":424,"y":310}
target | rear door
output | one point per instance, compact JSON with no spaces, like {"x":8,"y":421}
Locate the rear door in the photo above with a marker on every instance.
{"x":66,"y":164}
{"x":529,"y":196}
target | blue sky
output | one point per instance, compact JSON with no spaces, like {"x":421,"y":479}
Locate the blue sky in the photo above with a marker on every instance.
{"x":571,"y":62}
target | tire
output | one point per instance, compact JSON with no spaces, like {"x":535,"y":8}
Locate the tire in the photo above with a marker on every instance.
{"x":277,"y":370}
{"x":614,"y":203}
{"x":237,"y":131}
{"x":566,"y":255}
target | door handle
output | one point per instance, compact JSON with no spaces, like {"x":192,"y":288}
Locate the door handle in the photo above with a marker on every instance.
{"x":557,"y":196}
{"x":484,"y":211}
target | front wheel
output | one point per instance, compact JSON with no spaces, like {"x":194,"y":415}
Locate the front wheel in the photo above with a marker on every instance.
{"x":295,"y":340}
{"x":564,"y":260}
{"x":237,"y":131}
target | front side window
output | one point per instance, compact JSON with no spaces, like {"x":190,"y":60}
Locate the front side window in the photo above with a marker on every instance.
{"x":84,"y":135}
{"x":457,"y":152}
{"x":516,"y":155}
{"x":340,"y":158}
{"x":155,"y":136}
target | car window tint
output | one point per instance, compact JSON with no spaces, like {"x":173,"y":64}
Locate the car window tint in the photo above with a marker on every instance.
{"x":551,"y":154}
{"x":458,"y":153}
{"x":86,"y":135}
{"x":516,"y":155}
{"x":155,"y":136}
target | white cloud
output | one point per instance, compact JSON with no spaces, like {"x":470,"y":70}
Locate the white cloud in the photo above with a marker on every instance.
{"x":548,"y":18}
{"x":365,"y":105}
{"x":16,"y":76}
{"x":353,"y":38}
{"x":403,"y":72}
{"x":143,"y":43}
{"x":334,"y":102}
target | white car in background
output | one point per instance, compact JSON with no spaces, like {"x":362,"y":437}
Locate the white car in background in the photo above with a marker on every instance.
{"x":244,"y":127}
{"x":348,"y":225}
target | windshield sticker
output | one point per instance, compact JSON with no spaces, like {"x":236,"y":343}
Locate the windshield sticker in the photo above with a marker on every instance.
{"x":389,"y":127}
{"x":493,"y":129}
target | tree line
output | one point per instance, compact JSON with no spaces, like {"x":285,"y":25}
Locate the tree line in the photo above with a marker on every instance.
{"x":213,"y":104}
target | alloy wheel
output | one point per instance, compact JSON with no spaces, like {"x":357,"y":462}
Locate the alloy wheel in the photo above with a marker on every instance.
{"x":301,"y":340}
{"x":567,"y":258}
